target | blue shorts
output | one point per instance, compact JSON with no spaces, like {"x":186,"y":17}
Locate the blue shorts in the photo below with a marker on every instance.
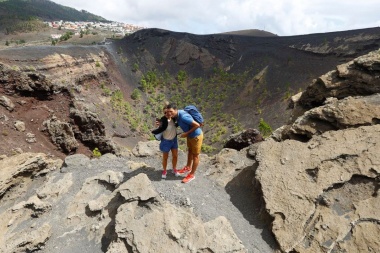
{"x":167,"y":145}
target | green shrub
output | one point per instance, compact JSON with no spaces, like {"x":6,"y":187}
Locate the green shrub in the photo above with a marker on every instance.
{"x":265,"y":128}
{"x":66,"y":36}
{"x":106,"y":91}
{"x":207,"y":149}
{"x":287,"y":95}
{"x":96,"y":153}
{"x":135,"y":67}
{"x":181,"y":76}
{"x":149,"y":81}
{"x":136,"y":95}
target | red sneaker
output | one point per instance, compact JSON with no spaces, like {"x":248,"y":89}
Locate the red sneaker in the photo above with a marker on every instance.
{"x":163,"y":174}
{"x":184,"y":171}
{"x":188,"y":179}
{"x":175,"y":172}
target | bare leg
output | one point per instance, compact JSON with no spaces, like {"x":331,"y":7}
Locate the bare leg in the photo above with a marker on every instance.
{"x":189,"y":159}
{"x":165,"y":160}
{"x":174,"y":158}
{"x":195,"y":163}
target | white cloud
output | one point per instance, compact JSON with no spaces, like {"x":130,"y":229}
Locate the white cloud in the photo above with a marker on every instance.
{"x":290,"y":17}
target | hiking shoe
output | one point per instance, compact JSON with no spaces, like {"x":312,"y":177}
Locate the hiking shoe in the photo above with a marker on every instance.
{"x":175,"y":172}
{"x":186,"y":170}
{"x":188,"y":178}
{"x":163,"y":174}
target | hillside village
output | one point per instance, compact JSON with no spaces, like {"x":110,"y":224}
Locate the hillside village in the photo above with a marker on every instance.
{"x":119,"y":29}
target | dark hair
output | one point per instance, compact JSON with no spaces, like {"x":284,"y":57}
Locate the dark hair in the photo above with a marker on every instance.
{"x":171,"y":106}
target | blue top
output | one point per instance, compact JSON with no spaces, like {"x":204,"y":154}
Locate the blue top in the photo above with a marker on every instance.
{"x":184,"y":121}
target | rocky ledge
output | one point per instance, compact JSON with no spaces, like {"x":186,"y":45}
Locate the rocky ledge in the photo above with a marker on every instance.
{"x":320,"y":174}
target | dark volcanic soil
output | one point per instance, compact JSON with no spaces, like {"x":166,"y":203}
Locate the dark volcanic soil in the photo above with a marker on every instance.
{"x":291,"y":63}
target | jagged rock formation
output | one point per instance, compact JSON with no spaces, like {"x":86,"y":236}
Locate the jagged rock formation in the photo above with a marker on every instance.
{"x":90,"y":130}
{"x":61,"y":134}
{"x":227,"y":164}
{"x":337,"y":114}
{"x":243,"y":139}
{"x":180,"y":234}
{"x":17,"y":173}
{"x":323,"y":192}
{"x":45,"y":92}
{"x":16,"y":169}
{"x":16,"y":81}
{"x":114,"y":210}
{"x":355,"y":78}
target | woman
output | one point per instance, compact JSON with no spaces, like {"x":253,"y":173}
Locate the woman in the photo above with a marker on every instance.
{"x":168,"y":142}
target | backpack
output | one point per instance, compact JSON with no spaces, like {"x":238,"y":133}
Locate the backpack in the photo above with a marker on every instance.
{"x":193,"y":111}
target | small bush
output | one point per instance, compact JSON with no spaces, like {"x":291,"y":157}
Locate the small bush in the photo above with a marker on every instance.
{"x":96,"y":153}
{"x":136,"y":95}
{"x":135,"y":67}
{"x":181,"y":76}
{"x":265,"y":128}
{"x":207,"y":148}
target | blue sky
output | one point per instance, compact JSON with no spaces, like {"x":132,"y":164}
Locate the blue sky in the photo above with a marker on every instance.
{"x":284,"y":18}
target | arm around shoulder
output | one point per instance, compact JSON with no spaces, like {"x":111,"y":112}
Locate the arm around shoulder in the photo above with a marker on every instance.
{"x":162,"y":127}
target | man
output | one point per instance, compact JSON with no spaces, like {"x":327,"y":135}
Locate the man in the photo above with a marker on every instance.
{"x":194,"y":138}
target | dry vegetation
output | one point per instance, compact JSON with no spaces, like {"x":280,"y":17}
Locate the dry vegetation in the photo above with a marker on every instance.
{"x":43,"y":37}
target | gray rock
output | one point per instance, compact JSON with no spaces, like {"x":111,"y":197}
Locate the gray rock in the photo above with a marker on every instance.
{"x":28,"y":240}
{"x":37,"y":206}
{"x":144,"y":149}
{"x":20,"y":126}
{"x":227,"y":164}
{"x":357,"y":77}
{"x":294,"y":175}
{"x":338,"y":114}
{"x":14,"y":169}
{"x":30,"y":138}
{"x":243,"y":139}
{"x":74,"y":162}
{"x":61,"y":134}
{"x":137,"y":188}
{"x":7,"y":103}
{"x":172,"y":229}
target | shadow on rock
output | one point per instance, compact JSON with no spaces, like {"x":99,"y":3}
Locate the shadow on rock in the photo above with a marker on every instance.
{"x":245,"y":193}
{"x":110,"y":233}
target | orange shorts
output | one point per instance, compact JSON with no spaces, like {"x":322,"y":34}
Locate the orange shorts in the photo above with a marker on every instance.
{"x":194,"y":145}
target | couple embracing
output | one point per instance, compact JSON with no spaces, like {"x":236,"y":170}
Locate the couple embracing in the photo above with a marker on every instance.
{"x":194,"y":138}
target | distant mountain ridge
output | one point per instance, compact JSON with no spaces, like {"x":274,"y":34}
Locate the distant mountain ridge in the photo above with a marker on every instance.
{"x":42,"y":9}
{"x":251,"y":32}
